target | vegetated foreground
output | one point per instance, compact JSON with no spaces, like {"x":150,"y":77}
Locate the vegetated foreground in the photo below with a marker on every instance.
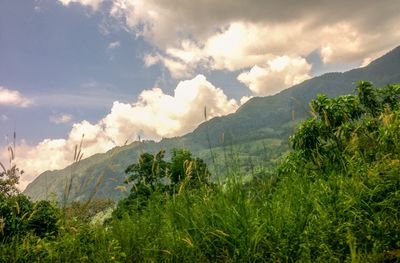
{"x":335,"y":197}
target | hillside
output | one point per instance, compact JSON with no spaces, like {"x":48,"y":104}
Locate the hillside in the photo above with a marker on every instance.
{"x":262,"y":120}
{"x":275,"y":111}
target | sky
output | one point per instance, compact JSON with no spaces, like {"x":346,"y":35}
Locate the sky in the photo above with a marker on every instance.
{"x":115,"y":70}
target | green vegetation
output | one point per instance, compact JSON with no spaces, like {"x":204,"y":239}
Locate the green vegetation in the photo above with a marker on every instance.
{"x":152,"y":175}
{"x":334,"y":198}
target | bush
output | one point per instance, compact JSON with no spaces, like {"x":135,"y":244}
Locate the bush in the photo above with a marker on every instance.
{"x":43,"y":219}
{"x":14,"y":213}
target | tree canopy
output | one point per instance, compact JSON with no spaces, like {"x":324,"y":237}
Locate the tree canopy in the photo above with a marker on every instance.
{"x":153,"y":175}
{"x":363,"y":122}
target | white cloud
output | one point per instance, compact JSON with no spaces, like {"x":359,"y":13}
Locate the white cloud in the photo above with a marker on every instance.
{"x":177,"y":68}
{"x":245,"y":99}
{"x":58,"y":119}
{"x":159,"y":115}
{"x":233,"y":35}
{"x":32,"y":159}
{"x":114,"y":45}
{"x":243,"y":45}
{"x":13,"y":98}
{"x":237,"y":47}
{"x":278,"y":74}
{"x":153,"y":116}
{"x":95,"y":4}
{"x":151,"y":59}
{"x":3,"y":117}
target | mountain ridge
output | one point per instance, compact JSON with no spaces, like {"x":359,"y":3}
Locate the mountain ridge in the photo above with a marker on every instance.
{"x":274,"y":120}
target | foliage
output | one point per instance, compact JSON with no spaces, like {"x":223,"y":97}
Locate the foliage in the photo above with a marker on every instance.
{"x":19,"y":217}
{"x":328,"y":139}
{"x":14,"y":212}
{"x":43,"y":219}
{"x":9,"y":179}
{"x":184,"y":168}
{"x":85,"y":211}
{"x":334,"y":198}
{"x":152,"y":174}
{"x":149,"y":170}
{"x":77,"y":243}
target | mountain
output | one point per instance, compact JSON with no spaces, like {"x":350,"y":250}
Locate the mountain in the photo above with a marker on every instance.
{"x":275,"y":111}
{"x":257,"y":131}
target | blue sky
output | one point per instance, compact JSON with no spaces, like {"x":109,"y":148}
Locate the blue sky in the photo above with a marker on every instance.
{"x":117,"y":69}
{"x":54,"y":53}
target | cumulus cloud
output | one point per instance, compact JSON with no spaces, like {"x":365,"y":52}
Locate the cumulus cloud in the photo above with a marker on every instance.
{"x":10,"y":97}
{"x":158,"y":115}
{"x":278,"y":74}
{"x":176,"y":67}
{"x":179,"y":63}
{"x":234,"y":35}
{"x":58,"y":119}
{"x":153,"y":116}
{"x":236,"y":47}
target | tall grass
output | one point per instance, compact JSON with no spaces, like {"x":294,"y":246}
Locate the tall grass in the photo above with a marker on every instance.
{"x":295,"y":218}
{"x":336,"y":218}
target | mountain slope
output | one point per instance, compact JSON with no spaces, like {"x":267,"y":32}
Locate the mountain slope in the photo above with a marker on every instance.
{"x":274,"y":111}
{"x":260,"y":120}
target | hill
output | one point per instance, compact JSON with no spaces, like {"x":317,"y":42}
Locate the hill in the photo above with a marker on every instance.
{"x":260,"y":126}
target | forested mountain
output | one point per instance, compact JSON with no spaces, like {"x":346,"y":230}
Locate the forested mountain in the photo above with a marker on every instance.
{"x":261,"y":123}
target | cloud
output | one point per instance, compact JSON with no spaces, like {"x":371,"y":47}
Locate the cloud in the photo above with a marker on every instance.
{"x":179,"y":63}
{"x":190,"y":36}
{"x":13,"y":98}
{"x":3,"y":117}
{"x":58,"y":119}
{"x":158,"y":115}
{"x":278,"y":74}
{"x":245,"y":99}
{"x":153,"y":116}
{"x":233,"y":35}
{"x":114,"y":45}
{"x":94,"y":4}
{"x":177,"y":68}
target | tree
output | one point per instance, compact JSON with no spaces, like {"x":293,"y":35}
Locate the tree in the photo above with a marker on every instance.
{"x":367,"y":97}
{"x":18,"y":215}
{"x":153,"y":171}
{"x":339,"y":122}
{"x":153,"y":175}
{"x":147,"y":176}
{"x":9,"y":178}
{"x":43,"y":219}
{"x":14,"y":211}
{"x":186,"y":169}
{"x":148,"y":171}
